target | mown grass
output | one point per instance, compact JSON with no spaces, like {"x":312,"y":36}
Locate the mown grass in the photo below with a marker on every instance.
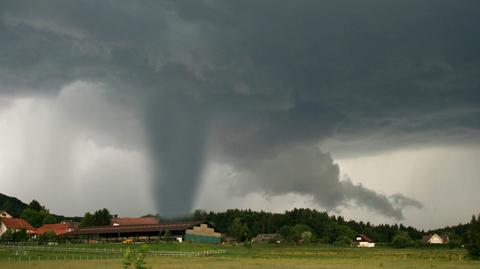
{"x":259,"y":256}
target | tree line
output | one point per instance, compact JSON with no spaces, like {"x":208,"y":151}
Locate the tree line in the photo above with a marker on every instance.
{"x":299,"y":224}
{"x":325,"y":228}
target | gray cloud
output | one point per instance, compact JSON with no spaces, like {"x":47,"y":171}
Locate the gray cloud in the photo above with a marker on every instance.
{"x":308,"y":171}
{"x":391,"y":206}
{"x":248,"y":81}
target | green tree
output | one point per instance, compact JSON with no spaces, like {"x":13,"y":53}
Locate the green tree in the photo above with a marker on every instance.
{"x":340,"y":234}
{"x":287,"y":232}
{"x":100,"y":217}
{"x":35,"y":205}
{"x":87,"y":220}
{"x":299,"y":229}
{"x":238,"y":230}
{"x":454,"y":241}
{"x":199,"y":214}
{"x":344,"y":235}
{"x":473,"y":246}
{"x":37,"y":215}
{"x":402,"y":240}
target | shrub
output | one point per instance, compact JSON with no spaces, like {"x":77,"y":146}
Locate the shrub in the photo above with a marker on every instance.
{"x":7,"y":236}
{"x":20,"y":236}
{"x":135,"y":259}
{"x":47,"y":237}
{"x":247,"y":243}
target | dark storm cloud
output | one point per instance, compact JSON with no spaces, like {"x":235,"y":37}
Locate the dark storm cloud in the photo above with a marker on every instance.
{"x":308,"y":171}
{"x":252,"y":80}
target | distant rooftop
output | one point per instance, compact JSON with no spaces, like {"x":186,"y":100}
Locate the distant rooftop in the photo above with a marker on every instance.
{"x":134,"y":221}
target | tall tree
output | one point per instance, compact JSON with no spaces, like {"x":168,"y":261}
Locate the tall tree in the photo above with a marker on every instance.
{"x":299,"y":229}
{"x":35,"y":205}
{"x":238,"y":230}
{"x":101,"y":217}
{"x":87,"y":220}
{"x":37,"y":215}
{"x":473,"y":245}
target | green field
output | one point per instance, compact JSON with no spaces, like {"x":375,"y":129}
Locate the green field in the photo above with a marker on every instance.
{"x":259,"y":256}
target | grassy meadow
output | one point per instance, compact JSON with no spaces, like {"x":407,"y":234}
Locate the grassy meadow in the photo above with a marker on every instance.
{"x":259,"y":256}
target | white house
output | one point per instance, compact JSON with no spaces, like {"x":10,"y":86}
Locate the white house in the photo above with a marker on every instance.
{"x":435,"y":239}
{"x":364,"y":241}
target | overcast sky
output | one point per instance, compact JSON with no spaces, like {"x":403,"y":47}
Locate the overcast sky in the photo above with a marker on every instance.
{"x":369,"y":109}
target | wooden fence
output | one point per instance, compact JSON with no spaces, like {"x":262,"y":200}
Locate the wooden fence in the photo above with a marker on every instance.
{"x":111,"y":251}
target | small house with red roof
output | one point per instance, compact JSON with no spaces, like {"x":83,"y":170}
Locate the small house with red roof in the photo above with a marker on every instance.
{"x":15,"y":225}
{"x":364,"y":241}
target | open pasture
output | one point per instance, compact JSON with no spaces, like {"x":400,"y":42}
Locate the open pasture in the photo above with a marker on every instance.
{"x":259,"y":256}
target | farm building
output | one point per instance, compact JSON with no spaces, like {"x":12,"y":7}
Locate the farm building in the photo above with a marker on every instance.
{"x":198,"y":231}
{"x":202,"y":233}
{"x":266,"y":238}
{"x":57,"y":228}
{"x":15,"y":225}
{"x":364,"y":241}
{"x":134,"y":221}
{"x":435,"y":239}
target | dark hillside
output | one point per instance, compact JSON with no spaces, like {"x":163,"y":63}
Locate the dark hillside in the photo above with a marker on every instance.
{"x":12,"y":205}
{"x":15,"y":206}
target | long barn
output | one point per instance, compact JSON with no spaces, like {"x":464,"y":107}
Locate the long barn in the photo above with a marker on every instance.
{"x":195,"y":231}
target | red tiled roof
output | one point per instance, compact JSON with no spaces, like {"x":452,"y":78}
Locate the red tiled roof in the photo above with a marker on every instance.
{"x":57,"y":228}
{"x":365,"y":238}
{"x":16,"y":224}
{"x":134,"y":221}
